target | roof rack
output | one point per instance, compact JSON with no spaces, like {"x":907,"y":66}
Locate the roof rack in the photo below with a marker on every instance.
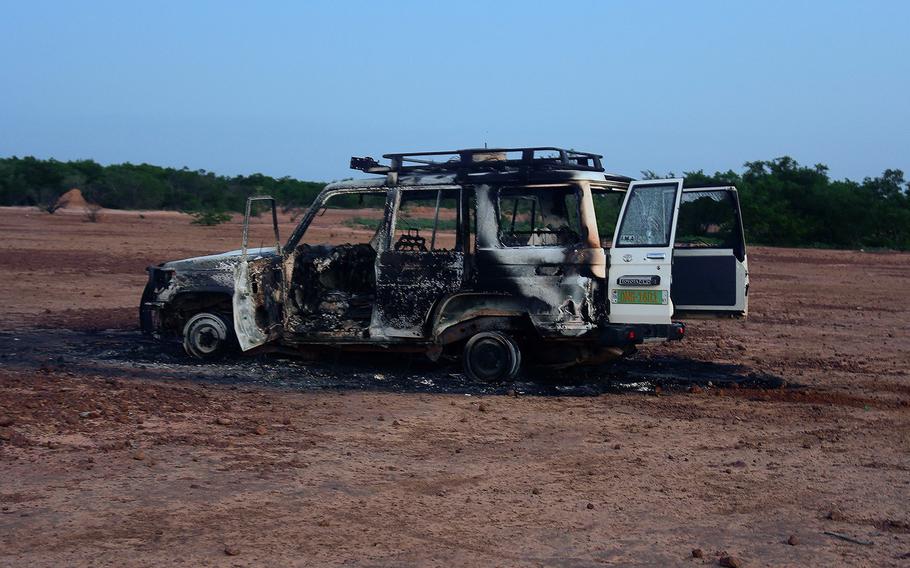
{"x":482,"y":160}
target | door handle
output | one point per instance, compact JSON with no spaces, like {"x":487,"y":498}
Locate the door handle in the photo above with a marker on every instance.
{"x":656,"y":256}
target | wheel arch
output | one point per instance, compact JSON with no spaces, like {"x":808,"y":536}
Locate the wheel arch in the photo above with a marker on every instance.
{"x":184,"y":305}
{"x":462,"y":315}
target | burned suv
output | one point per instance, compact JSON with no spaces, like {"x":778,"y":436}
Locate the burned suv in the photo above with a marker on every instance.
{"x":494,"y":255}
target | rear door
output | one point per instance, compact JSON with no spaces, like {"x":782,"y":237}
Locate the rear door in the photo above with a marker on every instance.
{"x":642,"y":253}
{"x":710,"y":269}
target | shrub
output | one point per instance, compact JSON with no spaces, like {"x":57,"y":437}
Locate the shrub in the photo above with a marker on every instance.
{"x":92,"y":212}
{"x":209,"y":217}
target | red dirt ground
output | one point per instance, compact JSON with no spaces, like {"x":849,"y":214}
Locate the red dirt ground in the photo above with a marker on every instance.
{"x":125,"y":471}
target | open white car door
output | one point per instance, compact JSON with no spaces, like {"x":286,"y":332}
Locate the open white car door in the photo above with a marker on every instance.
{"x":642,"y":253}
{"x":710,"y":269}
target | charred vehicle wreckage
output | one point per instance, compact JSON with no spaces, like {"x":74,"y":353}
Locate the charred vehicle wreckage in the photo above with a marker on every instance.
{"x":496,"y":255}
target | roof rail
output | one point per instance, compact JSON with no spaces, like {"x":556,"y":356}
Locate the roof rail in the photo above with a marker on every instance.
{"x":482,"y":160}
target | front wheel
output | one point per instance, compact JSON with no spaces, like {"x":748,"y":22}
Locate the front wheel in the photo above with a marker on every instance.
{"x":207,"y":336}
{"x":491,"y":356}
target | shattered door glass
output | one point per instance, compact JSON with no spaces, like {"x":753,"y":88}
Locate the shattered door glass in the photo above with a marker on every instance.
{"x":648,"y":220}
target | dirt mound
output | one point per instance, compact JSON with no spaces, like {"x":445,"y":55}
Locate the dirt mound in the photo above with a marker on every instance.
{"x":72,"y":199}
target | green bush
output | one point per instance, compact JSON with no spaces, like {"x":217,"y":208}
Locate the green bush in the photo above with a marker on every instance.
{"x":209,"y":218}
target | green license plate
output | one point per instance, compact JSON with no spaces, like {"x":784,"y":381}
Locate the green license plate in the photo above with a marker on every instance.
{"x":640,"y":297}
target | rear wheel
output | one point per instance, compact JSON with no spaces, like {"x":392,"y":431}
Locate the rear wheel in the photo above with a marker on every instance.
{"x":491,"y":356}
{"x":207,"y":336}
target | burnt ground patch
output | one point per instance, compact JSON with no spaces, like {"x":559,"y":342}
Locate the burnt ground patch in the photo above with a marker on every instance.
{"x":118,"y":353}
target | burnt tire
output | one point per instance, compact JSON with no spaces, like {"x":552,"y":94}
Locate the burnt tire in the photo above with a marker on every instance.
{"x":208,"y":336}
{"x":491,"y":356}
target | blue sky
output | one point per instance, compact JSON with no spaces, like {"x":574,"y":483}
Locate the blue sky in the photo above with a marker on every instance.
{"x":296,"y":88}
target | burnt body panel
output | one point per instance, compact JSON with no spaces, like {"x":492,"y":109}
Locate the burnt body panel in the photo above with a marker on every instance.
{"x":180,"y":288}
{"x":409,"y":286}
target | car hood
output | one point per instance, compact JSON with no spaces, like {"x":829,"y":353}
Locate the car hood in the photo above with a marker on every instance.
{"x":221,"y":261}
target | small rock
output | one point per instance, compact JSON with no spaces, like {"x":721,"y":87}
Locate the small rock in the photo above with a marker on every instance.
{"x":381,"y":418}
{"x":694,"y":389}
{"x":260,"y":430}
{"x":729,"y":562}
{"x":835,"y":515}
{"x":511,"y":392}
{"x":286,"y":421}
{"x":231,"y":550}
{"x":222,"y":421}
{"x":590,"y":506}
{"x":140,"y":455}
{"x":396,"y":423}
{"x":697,"y":553}
{"x":6,"y":421}
{"x":535,"y":491}
{"x":616,"y":446}
{"x":482,"y":407}
{"x":792,"y":541}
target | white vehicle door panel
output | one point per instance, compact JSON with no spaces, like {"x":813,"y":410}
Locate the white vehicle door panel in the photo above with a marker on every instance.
{"x":710,"y":268}
{"x":642,"y":253}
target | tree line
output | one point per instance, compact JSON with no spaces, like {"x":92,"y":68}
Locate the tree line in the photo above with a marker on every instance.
{"x":30,"y":181}
{"x":783,"y":203}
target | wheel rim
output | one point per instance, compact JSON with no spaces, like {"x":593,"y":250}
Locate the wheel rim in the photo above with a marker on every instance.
{"x":206,"y":338}
{"x":205,"y":335}
{"x":490,"y":358}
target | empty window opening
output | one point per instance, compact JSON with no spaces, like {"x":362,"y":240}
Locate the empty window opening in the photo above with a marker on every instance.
{"x":607,"y":205}
{"x":427,"y":221}
{"x":539,"y":217}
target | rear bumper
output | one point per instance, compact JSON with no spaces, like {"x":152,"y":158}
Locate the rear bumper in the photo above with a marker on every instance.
{"x":632,"y":334}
